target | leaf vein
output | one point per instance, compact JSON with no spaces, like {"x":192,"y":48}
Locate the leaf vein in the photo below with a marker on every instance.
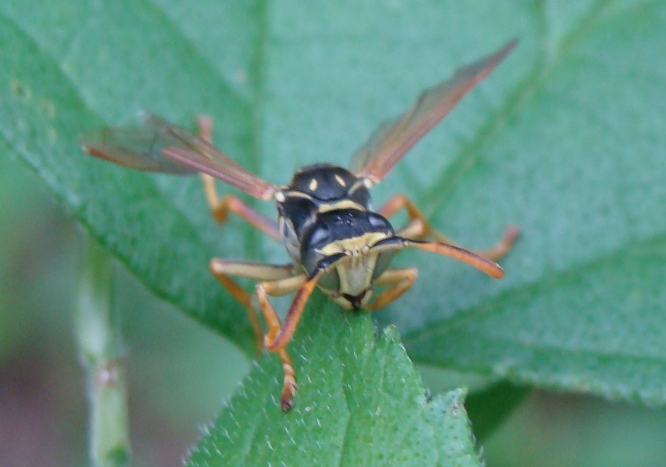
{"x":470,"y":153}
{"x":633,"y":248}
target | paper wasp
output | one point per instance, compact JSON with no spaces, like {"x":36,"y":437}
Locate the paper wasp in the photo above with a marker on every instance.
{"x":325,"y":219}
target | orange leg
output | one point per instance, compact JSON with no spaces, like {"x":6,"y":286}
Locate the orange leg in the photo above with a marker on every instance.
{"x":223,"y":268}
{"x":398,"y":281}
{"x":220,"y":208}
{"x":278,"y":336}
{"x":275,"y":281}
{"x":419,"y":228}
{"x":289,"y":385}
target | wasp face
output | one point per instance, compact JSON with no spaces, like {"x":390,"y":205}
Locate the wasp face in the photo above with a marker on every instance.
{"x":353,"y":233}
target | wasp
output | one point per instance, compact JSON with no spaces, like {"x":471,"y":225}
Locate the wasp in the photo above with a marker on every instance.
{"x":325,"y":219}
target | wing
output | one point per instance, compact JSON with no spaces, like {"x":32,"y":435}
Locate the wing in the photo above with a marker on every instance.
{"x":158,"y":146}
{"x":394,"y":137}
{"x":138,"y":147}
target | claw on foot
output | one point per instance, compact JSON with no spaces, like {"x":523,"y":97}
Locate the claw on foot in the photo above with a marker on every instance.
{"x":289,"y":388}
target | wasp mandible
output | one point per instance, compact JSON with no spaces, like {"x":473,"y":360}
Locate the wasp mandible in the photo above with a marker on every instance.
{"x":325,"y":219}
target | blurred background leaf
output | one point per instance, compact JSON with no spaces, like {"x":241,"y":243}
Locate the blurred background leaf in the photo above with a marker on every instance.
{"x":565,"y":139}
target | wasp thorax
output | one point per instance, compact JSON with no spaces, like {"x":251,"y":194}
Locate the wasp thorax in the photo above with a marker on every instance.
{"x":324,"y":182}
{"x":329,"y":185}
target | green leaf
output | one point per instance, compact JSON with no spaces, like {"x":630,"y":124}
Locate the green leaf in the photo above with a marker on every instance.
{"x":489,"y":408}
{"x":579,"y":165}
{"x":158,"y":227}
{"x":565,"y":139}
{"x":360,"y":402}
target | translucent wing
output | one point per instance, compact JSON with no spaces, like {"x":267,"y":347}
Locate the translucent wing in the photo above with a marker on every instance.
{"x":158,"y":146}
{"x":394,"y":137}
{"x":138,"y":147}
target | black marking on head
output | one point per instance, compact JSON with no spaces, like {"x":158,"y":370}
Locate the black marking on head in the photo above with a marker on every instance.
{"x":356,"y":301}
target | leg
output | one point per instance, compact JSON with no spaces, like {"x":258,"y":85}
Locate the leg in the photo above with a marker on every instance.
{"x":220,"y":208}
{"x":223,"y":268}
{"x":278,"y":288}
{"x":289,"y":386}
{"x":276,"y":281}
{"x":419,"y":228}
{"x":279,"y":335}
{"x":398,"y":281}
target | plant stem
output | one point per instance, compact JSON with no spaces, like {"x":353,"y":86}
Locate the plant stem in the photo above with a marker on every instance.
{"x":101,"y":346}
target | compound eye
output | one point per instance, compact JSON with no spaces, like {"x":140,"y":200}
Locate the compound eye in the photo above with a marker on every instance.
{"x":330,"y":281}
{"x":383,"y":263}
{"x":320,"y":236}
{"x":378,"y":222}
{"x":288,"y":228}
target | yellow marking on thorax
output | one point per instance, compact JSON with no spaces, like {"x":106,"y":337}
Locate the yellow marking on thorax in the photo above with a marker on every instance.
{"x":359,"y":183}
{"x":340,"y":180}
{"x":297,"y":194}
{"x":342,"y":204}
{"x":313,"y":184}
